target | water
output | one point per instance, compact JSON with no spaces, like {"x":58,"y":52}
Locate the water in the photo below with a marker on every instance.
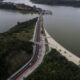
{"x":63,"y":25}
{"x":10,"y":18}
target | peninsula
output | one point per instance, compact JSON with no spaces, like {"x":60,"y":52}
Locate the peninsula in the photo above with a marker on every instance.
{"x":15,"y":47}
{"x":19,"y":7}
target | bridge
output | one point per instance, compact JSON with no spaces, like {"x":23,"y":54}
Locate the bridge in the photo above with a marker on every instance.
{"x":37,"y":51}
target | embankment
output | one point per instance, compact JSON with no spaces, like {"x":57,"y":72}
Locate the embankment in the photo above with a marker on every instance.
{"x":63,"y":51}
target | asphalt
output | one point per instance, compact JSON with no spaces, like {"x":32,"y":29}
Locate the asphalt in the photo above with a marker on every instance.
{"x":36,"y":49}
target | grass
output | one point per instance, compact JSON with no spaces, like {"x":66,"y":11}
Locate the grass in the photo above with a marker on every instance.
{"x":15,"y":47}
{"x":46,"y":41}
{"x":55,"y":67}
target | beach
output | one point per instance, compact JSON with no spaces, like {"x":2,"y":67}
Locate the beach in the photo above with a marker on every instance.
{"x":63,"y":51}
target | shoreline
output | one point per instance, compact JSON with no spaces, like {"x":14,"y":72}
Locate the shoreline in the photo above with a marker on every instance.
{"x":63,"y":51}
{"x":19,"y":7}
{"x":58,"y":3}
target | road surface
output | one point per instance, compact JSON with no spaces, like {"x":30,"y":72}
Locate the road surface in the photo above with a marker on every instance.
{"x":36,"y":51}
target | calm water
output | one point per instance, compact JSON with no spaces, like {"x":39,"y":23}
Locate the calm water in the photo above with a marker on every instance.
{"x":63,"y":25}
{"x":10,"y":18}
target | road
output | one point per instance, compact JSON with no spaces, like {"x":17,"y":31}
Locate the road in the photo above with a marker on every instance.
{"x":36,"y":50}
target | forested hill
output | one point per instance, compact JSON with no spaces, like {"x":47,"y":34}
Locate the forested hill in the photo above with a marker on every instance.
{"x":58,"y":2}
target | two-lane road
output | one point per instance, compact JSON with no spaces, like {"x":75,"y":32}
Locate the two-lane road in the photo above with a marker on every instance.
{"x":36,"y":50}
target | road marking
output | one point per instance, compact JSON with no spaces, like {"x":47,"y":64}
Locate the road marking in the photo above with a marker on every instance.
{"x":38,"y":58}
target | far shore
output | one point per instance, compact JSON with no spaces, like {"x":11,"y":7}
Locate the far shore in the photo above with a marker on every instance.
{"x":19,"y":7}
{"x":63,"y":51}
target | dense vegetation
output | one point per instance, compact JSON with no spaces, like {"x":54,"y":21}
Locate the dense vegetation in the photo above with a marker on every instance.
{"x":19,"y":7}
{"x":56,"y":67}
{"x":15,"y":47}
{"x":75,"y":3}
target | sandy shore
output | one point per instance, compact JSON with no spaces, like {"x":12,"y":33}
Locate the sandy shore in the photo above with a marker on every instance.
{"x":70,"y":56}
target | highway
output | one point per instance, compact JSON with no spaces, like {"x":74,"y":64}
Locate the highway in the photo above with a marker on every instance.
{"x":36,"y":51}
